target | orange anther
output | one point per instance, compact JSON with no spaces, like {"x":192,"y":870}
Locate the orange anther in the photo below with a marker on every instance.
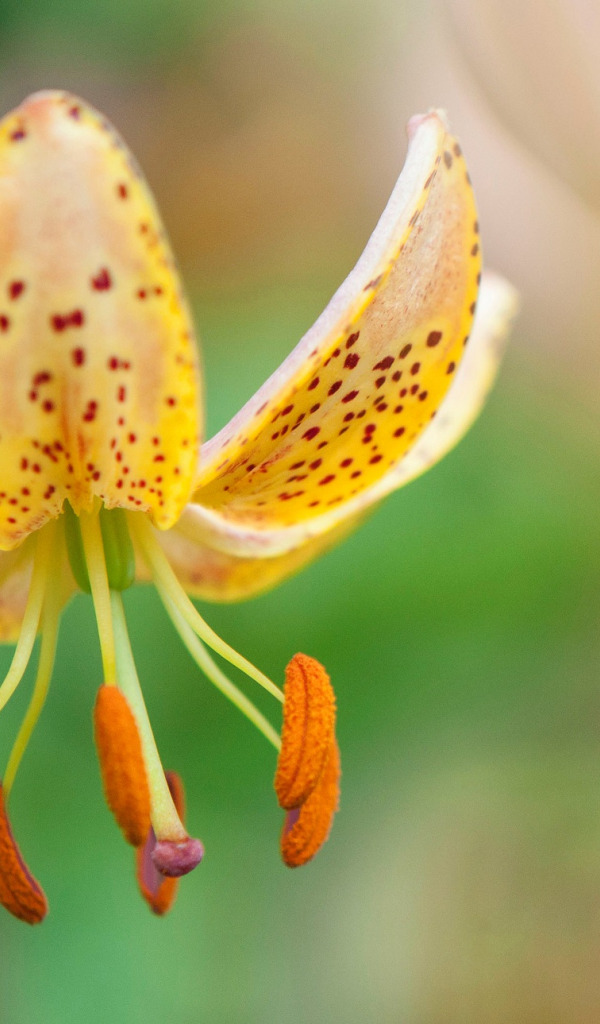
{"x":307,"y":827}
{"x":19,"y":891}
{"x":158,"y":890}
{"x":308,"y":724}
{"x":122,"y":764}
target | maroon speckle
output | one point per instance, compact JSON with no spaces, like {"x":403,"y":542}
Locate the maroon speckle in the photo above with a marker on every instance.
{"x":287,"y":410}
{"x":415,"y":368}
{"x":349,"y":396}
{"x":15,"y":289}
{"x":384,"y":364}
{"x":346,"y":462}
{"x":102,"y":281}
{"x":451,"y":367}
{"x":353,"y":338}
{"x":423,"y":396}
{"x":4,"y":322}
{"x":335,"y":387}
{"x":375,"y":459}
{"x":351,"y":360}
{"x":75,"y":112}
{"x":397,"y":375}
{"x":327,"y":479}
{"x":41,"y":378}
{"x":122,"y":191}
{"x":18,"y":135}
{"x":90,"y":412}
{"x":121,"y":393}
{"x":433,"y":338}
{"x":313,"y":384}
{"x":310,"y":433}
{"x":315,"y":464}
{"x":380,"y":382}
{"x":78,"y":356}
{"x":399,"y":432}
{"x":404,"y":351}
{"x":60,"y":322}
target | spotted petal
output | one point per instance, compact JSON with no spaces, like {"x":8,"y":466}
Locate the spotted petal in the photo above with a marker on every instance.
{"x":234,"y":562}
{"x":330,"y":431}
{"x":98,"y":377}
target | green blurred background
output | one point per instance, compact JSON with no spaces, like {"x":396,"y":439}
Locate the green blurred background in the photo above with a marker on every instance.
{"x":461,"y":884}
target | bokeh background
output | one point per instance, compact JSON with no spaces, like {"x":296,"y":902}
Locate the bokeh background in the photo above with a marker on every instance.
{"x":461,"y":884}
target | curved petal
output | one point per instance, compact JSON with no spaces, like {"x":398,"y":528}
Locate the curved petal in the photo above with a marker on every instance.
{"x":359,"y":389}
{"x":219,"y":560}
{"x":213,"y":574}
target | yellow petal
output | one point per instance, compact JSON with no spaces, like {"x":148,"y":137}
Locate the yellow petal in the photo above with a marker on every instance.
{"x":214,"y":574}
{"x":365,"y":381}
{"x":219,"y":559}
{"x":98,"y":376}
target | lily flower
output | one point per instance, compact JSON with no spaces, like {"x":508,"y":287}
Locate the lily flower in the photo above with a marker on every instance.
{"x":103,"y":479}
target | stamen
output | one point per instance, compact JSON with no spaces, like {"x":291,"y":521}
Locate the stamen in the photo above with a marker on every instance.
{"x":306,"y":828}
{"x":122,"y":764}
{"x":93,"y":547}
{"x":20,"y":893}
{"x":50,"y":622}
{"x":31,"y":619}
{"x":308,"y":725}
{"x":212,"y":671}
{"x":158,"y":890}
{"x":169,"y":588}
{"x":163,"y":813}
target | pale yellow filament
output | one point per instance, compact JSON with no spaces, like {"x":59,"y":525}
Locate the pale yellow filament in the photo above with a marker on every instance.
{"x":216,"y":676}
{"x":49,"y":622}
{"x":165,"y":820}
{"x":170,"y":590}
{"x":42,"y":560}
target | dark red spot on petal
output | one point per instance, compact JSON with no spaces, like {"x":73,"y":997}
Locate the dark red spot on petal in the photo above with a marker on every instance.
{"x":15,"y":289}
{"x":433,"y":338}
{"x":102,"y":281}
{"x":384,"y":364}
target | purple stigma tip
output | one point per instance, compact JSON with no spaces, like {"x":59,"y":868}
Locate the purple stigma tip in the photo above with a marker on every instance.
{"x":176,"y":859}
